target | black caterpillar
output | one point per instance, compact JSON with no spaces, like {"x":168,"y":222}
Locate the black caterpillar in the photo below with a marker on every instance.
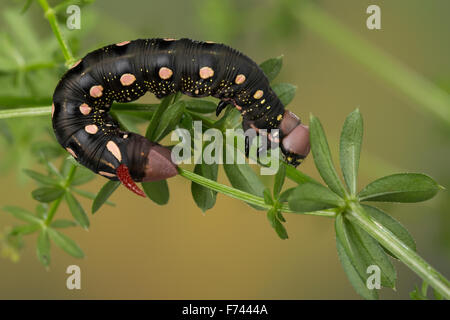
{"x":125,"y":71}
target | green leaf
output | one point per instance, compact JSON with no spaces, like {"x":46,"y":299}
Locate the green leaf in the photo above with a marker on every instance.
{"x":322,"y":157}
{"x":200,"y":106}
{"x":279,"y":181}
{"x":358,"y":284}
{"x":284,"y":196}
{"x":372,"y":254}
{"x":43,"y":247}
{"x":82,"y":176}
{"x":242,"y":177}
{"x":22,"y":214}
{"x":65,"y":243}
{"x":47,"y":194}
{"x":156,"y":119}
{"x":363,"y":251}
{"x":90,"y":195}
{"x":157,"y":191}
{"x":63,"y":223}
{"x":169,"y":120}
{"x":296,"y":175}
{"x":267,"y":197}
{"x":350,"y":148}
{"x":272,"y":67}
{"x":276,"y":224}
{"x":205,"y":198}
{"x":392,"y":225}
{"x":309,"y":197}
{"x":400,"y":187}
{"x":39,"y":177}
{"x":104,"y":193}
{"x":77,"y":211}
{"x":25,"y":229}
{"x":285,"y":92}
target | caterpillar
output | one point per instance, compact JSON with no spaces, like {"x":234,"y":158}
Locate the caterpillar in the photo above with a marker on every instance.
{"x":125,"y":71}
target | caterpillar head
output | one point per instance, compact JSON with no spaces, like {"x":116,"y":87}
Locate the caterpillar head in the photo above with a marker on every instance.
{"x":295,"y":139}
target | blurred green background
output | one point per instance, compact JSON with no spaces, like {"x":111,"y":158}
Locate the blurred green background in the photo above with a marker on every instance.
{"x":139,"y":250}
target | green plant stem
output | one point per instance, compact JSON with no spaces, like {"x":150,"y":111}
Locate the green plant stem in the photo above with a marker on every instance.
{"x":51,"y":17}
{"x":429,"y":97}
{"x":25,"y":112}
{"x":409,"y":257}
{"x":57,"y":202}
{"x":245,"y":196}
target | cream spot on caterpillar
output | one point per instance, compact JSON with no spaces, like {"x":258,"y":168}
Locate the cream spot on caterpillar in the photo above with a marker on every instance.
{"x":53,"y":109}
{"x":238,"y":107}
{"x":169,"y":39}
{"x":127,"y":79}
{"x":91,"y":129}
{"x":85,"y":109}
{"x":258,"y":94}
{"x":107,"y":174}
{"x":71,"y":152}
{"x":165,"y":73}
{"x":206,"y":72}
{"x":123,"y":43}
{"x":240,"y":78}
{"x":96,"y":91}
{"x":75,"y":64}
{"x":114,"y":149}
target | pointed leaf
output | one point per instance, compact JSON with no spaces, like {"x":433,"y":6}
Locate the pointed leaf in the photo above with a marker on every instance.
{"x":82,"y":176}
{"x":170,"y":118}
{"x":157,"y":191}
{"x":43,"y":248}
{"x":279,"y":181}
{"x":309,"y":197}
{"x":285,"y":92}
{"x":322,"y":157}
{"x":105,"y":192}
{"x":358,"y":284}
{"x":272,"y":67}
{"x":63,"y":223}
{"x":47,"y":194}
{"x":205,"y":198}
{"x":200,"y":106}
{"x":392,"y":225}
{"x":401,"y":187}
{"x":276,"y":224}
{"x":25,"y":229}
{"x":39,"y":177}
{"x":242,"y":177}
{"x":350,"y":148}
{"x":77,"y":211}
{"x":22,"y":214}
{"x":65,"y":243}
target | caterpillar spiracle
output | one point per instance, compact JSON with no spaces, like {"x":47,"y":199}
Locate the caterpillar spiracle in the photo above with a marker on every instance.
{"x":125,"y":71}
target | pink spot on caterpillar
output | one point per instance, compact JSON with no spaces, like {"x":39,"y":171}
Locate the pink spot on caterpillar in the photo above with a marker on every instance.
{"x":123,"y":43}
{"x":206,"y":72}
{"x":165,"y":73}
{"x":169,"y":39}
{"x":96,"y":91}
{"x":91,"y":129}
{"x":107,"y":174}
{"x":85,"y":109}
{"x":124,"y":176}
{"x":75,"y":64}
{"x":240,"y":78}
{"x":258,"y":94}
{"x":53,"y":109}
{"x":114,"y":149}
{"x":127,"y":79}
{"x":71,"y":152}
{"x":238,"y":107}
